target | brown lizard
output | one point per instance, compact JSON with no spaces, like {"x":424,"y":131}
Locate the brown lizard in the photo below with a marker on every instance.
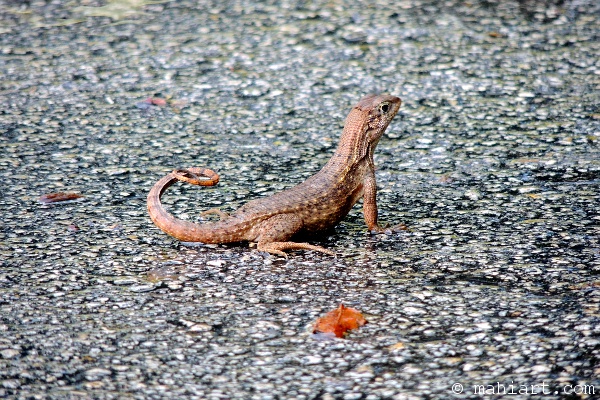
{"x":315,"y":205}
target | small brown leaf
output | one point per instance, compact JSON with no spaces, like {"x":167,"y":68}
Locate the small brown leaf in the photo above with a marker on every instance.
{"x":157,"y":101}
{"x":58,"y":197}
{"x":397,"y":346}
{"x":151,"y":101}
{"x":339,"y":321}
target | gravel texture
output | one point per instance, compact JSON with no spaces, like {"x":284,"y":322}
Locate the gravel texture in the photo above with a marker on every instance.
{"x":493,"y":163}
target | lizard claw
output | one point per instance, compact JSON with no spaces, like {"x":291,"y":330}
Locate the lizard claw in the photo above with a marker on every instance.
{"x":387,"y":229}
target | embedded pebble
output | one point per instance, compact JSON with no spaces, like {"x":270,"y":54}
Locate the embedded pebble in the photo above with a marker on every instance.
{"x":9,"y":353}
{"x":142,"y":288}
{"x":96,"y":373}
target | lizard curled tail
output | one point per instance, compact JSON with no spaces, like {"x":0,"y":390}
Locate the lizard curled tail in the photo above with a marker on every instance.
{"x":180,"y":229}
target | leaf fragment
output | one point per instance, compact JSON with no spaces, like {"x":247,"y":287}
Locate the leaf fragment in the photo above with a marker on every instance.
{"x":339,"y":321}
{"x":58,"y":197}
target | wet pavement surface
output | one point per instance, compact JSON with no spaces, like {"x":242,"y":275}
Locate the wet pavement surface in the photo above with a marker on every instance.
{"x":493,"y":163}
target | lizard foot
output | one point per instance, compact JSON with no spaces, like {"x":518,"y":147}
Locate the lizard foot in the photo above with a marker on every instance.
{"x":388,"y":229}
{"x":278,"y":247}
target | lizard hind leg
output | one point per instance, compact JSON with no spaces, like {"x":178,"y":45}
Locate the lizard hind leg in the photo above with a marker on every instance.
{"x":274,"y":234}
{"x":222,"y":215}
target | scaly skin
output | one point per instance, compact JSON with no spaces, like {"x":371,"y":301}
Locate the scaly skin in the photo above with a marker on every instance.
{"x":315,"y":205}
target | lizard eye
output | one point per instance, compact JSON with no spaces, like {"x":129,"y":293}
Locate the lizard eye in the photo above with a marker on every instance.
{"x":384,"y":108}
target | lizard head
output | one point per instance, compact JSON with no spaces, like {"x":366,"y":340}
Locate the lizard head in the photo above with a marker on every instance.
{"x":365,"y":125}
{"x":380,"y":111}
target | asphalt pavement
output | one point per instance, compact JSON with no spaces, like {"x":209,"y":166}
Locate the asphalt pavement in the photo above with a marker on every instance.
{"x":493,"y":164}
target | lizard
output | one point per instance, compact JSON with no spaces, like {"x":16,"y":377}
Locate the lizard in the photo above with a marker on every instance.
{"x":313,"y":206}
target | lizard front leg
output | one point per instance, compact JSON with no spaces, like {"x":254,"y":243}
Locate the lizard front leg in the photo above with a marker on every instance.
{"x":370,"y":201}
{"x":370,"y":205}
{"x":274,"y":232}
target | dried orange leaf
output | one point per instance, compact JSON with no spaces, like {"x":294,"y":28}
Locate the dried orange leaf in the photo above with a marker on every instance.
{"x":339,"y":321}
{"x":157,"y":101}
{"x":151,"y":101}
{"x":58,"y":197}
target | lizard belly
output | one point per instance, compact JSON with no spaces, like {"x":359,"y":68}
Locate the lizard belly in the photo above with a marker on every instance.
{"x":329,"y":212}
